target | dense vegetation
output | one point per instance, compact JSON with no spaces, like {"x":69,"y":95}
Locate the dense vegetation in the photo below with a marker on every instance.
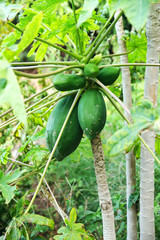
{"x":23,"y":146}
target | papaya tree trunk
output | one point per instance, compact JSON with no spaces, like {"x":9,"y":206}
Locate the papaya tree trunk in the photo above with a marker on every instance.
{"x":103,"y":190}
{"x":147,"y":225}
{"x":130,"y":160}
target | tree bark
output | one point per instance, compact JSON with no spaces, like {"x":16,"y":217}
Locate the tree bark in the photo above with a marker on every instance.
{"x":103,"y":190}
{"x":130,"y":160}
{"x":147,"y":225}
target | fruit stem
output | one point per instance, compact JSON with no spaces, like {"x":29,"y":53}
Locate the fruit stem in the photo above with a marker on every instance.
{"x":22,"y":74}
{"x":43,"y":63}
{"x":99,"y":35}
{"x":117,"y":54}
{"x":106,"y":90}
{"x":53,"y":150}
{"x":14,"y":119}
{"x":92,"y":51}
{"x":130,"y":64}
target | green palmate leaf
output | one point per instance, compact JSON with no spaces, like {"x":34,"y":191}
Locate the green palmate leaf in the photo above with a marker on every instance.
{"x":144,"y":116}
{"x":139,"y":45}
{"x":123,"y":139}
{"x":14,"y":232}
{"x":86,"y":12}
{"x":11,"y":94}
{"x":36,"y":154}
{"x":46,"y":6}
{"x":136,"y":11}
{"x":73,"y":231}
{"x":9,"y":11}
{"x":10,"y":39}
{"x":8,"y":191}
{"x":144,"y":110}
{"x":73,"y":216}
{"x":31,"y":23}
{"x":37,"y":219}
{"x":11,"y":176}
{"x":41,"y":52}
{"x":30,"y":33}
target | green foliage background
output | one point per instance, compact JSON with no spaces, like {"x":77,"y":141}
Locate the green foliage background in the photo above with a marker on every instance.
{"x":72,"y":180}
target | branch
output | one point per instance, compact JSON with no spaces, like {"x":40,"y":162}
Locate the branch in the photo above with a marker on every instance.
{"x":91,"y":53}
{"x":22,"y":74}
{"x":105,"y":89}
{"x":14,"y":119}
{"x":43,"y":63}
{"x":50,"y":196}
{"x":131,"y":64}
{"x":99,"y":35}
{"x":117,"y":54}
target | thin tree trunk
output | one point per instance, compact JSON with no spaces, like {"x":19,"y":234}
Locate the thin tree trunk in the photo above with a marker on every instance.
{"x":103,"y":190}
{"x":147,"y":225}
{"x":130,"y":160}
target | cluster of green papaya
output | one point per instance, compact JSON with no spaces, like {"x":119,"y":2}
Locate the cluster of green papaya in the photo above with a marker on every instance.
{"x":88,"y":115}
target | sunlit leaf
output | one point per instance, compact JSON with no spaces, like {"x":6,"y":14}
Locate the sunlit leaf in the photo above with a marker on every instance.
{"x":86,"y":12}
{"x":138,"y":43}
{"x":30,"y":33}
{"x":73,"y":231}
{"x":136,"y":11}
{"x":123,"y":139}
{"x":37,"y":219}
{"x":9,"y":11}
{"x":5,"y":180}
{"x":73,"y":216}
{"x":15,"y":232}
{"x":11,"y":94}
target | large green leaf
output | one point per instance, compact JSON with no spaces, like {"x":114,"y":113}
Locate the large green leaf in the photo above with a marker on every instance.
{"x":37,"y":219}
{"x":139,"y":45}
{"x":73,"y":231}
{"x":144,"y":116}
{"x":14,"y":233}
{"x":47,"y":6}
{"x":9,"y":11}
{"x":123,"y":140}
{"x":30,"y":32}
{"x":86,"y":12}
{"x":136,"y":11}
{"x":5,"y":180}
{"x":11,"y":94}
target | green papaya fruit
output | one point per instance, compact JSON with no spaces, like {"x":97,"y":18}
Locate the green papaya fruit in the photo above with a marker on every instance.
{"x":66,"y":82}
{"x":97,"y":59}
{"x":72,"y":133}
{"x":91,"y":70}
{"x":108,"y":75}
{"x":3,"y":83}
{"x":92,"y":113}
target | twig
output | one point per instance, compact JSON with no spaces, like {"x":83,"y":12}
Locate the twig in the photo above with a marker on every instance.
{"x":104,"y":88}
{"x":50,"y":196}
{"x":26,"y":100}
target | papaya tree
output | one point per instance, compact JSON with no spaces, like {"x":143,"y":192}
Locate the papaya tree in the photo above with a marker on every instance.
{"x":130,"y":159}
{"x":76,"y":106}
{"x":147,"y":224}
